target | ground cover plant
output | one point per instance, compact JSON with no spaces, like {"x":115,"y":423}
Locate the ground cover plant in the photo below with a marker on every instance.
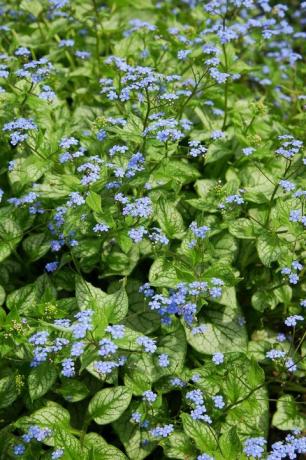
{"x":152,"y":230}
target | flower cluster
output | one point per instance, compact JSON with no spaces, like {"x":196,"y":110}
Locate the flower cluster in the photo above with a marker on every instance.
{"x":182,"y":300}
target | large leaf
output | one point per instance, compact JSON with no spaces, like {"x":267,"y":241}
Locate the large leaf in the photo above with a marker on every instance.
{"x":169,"y":219}
{"x":225,"y":332}
{"x":8,"y":391}
{"x":107,"y":405}
{"x":288,"y":416}
{"x":41,"y":379}
{"x":100,"y":449}
{"x":108,"y":308}
{"x":202,"y":434}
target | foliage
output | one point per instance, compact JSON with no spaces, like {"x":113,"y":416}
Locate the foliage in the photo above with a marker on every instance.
{"x":152,"y":287}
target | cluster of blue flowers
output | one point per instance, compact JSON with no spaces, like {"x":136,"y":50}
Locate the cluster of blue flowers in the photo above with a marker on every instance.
{"x":292,"y":272}
{"x":182,"y":300}
{"x":18,"y":129}
{"x":199,"y":410}
{"x":293,"y":445}
{"x":39,"y":434}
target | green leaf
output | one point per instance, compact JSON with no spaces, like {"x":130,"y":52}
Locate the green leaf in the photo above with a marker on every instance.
{"x":169,"y":219}
{"x":71,"y":446}
{"x":131,"y":437}
{"x":244,"y":229}
{"x":8,"y":391}
{"x":36,"y":246}
{"x":2,"y":295}
{"x":261,"y":300}
{"x":107,"y":405}
{"x":73,"y":390}
{"x":140,"y":317}
{"x":137,"y":381}
{"x":218,"y":151}
{"x":32,"y":6}
{"x":178,"y":446}
{"x":26,"y":170}
{"x":25,"y":299}
{"x":203,"y":435}
{"x":288,"y":416}
{"x":52,"y":415}
{"x":94,"y":201}
{"x":224,"y":332}
{"x":230,"y":445}
{"x":270,"y":248}
{"x":107,"y":307}
{"x":41,"y":379}
{"x":174,"y":344}
{"x":101,"y":450}
{"x":5,"y":250}
{"x":163,"y":273}
{"x":177,"y":171}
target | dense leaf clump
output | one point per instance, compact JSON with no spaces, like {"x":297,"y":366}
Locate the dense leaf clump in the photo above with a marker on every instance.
{"x":152,"y":230}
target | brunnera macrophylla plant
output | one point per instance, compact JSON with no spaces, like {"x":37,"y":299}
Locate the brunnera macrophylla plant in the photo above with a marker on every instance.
{"x":152,"y":230}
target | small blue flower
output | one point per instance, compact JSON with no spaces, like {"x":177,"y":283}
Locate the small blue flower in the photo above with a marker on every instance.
{"x":148,"y":344}
{"x":68,"y":368}
{"x":161,"y":431}
{"x":19,"y":449}
{"x":117,"y":331}
{"x":149,"y":396}
{"x":136,"y":417}
{"x":163,"y":360}
{"x":100,"y":228}
{"x":247,"y":151}
{"x":218,"y":358}
{"x":58,"y":453}
{"x":218,"y":401}
{"x":107,"y":347}
{"x":254,"y":447}
{"x":105,"y":367}
{"x":292,"y":320}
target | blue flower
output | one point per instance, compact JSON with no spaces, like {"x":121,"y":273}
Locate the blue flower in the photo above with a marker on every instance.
{"x":205,"y":457}
{"x":195,"y":396}
{"x":36,"y":432}
{"x":117,"y":331}
{"x":40,"y":338}
{"x":77,"y":348}
{"x":22,"y":51}
{"x":82,"y":54}
{"x":101,"y":135}
{"x":149,"y":396}
{"x":162,"y":431}
{"x":137,"y":234}
{"x":247,"y":151}
{"x":51,"y":266}
{"x":218,"y":358}
{"x":148,"y":344}
{"x":100,"y":228}
{"x":142,"y":207}
{"x":69,"y":43}
{"x":68,"y":368}
{"x":83,"y":324}
{"x":163,"y":360}
{"x":218,"y":401}
{"x":275,"y":354}
{"x":58,"y":453}
{"x":107,"y":347}
{"x":254,"y":447}
{"x":292,"y":320}
{"x":105,"y":367}
{"x":19,"y":449}
{"x":136,"y":417}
